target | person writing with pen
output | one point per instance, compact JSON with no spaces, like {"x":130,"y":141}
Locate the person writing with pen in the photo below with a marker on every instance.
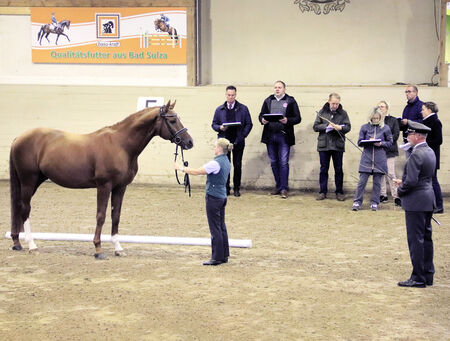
{"x":332,"y":123}
{"x":375,"y":137}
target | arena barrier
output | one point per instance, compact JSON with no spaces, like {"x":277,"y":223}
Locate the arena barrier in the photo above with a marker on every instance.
{"x":147,"y":40}
{"x":81,"y":237}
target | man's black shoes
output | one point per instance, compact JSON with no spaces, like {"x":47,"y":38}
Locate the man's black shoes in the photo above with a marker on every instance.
{"x":215,"y":262}
{"x":398,"y":202}
{"x":237,"y":193}
{"x":411,"y":284}
{"x":384,"y":198}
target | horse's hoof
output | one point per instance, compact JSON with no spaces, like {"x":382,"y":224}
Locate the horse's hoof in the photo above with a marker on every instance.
{"x":100,"y":256}
{"x":17,"y":248}
{"x":34,"y":251}
{"x":119,"y":254}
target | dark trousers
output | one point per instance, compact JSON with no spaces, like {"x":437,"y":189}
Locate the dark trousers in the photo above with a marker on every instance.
{"x":437,"y":191}
{"x":237,"y":153}
{"x":215,"y":211}
{"x":420,"y":244}
{"x":338,"y":173}
{"x":278,"y":151}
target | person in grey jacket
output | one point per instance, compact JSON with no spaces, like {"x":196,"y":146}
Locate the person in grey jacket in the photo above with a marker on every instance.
{"x":373,"y":159}
{"x":417,"y":195}
{"x":391,"y":154}
{"x":332,"y":123}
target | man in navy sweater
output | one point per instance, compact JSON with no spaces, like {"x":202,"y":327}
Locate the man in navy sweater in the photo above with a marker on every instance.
{"x":412,"y":111}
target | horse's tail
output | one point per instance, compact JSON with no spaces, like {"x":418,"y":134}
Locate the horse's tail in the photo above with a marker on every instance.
{"x":15,"y":189}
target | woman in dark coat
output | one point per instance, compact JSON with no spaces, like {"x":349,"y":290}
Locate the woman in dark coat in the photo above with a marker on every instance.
{"x":373,"y":159}
{"x":434,"y":141}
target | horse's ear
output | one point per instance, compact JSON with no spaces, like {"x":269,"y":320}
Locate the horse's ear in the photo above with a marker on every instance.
{"x":166,"y":109}
{"x":172,"y":105}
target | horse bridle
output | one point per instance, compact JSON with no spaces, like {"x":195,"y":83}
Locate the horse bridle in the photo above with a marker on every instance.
{"x":177,"y":140}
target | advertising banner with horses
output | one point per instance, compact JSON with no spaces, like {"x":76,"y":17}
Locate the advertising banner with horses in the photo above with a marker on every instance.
{"x":106,"y":35}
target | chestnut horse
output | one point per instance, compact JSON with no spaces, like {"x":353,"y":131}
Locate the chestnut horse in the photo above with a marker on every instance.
{"x":106,"y":159}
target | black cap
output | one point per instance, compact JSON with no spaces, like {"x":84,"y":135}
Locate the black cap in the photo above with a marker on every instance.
{"x":416,"y":127}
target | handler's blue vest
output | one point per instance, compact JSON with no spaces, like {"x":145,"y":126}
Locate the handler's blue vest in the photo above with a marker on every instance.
{"x":216,"y":183}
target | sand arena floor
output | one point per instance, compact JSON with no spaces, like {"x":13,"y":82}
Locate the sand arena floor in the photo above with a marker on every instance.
{"x":317,"y":270}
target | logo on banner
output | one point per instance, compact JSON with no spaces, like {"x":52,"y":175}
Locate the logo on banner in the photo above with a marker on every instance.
{"x":108,"y":25}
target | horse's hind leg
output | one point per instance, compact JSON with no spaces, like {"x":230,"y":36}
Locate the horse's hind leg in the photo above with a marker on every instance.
{"x":27,"y":191}
{"x":116,"y":207}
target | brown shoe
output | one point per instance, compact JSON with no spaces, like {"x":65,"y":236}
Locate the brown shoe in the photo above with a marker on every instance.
{"x":284,"y":194}
{"x":275,"y":192}
{"x":321,"y":196}
{"x":340,"y":197}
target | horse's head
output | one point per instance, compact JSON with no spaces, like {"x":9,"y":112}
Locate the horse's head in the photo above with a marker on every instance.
{"x":172,"y":129}
{"x":65,"y":23}
{"x":157,"y":23}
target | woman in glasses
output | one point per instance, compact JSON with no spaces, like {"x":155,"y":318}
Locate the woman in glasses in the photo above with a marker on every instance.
{"x":391,"y":153}
{"x":375,"y":137}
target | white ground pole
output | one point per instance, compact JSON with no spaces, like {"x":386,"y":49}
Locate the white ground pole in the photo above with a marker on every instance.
{"x":80,"y":237}
{"x":28,"y":236}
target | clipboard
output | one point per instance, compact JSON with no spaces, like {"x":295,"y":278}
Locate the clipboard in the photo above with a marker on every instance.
{"x":231,"y":124}
{"x":369,"y":142}
{"x":273,"y":117}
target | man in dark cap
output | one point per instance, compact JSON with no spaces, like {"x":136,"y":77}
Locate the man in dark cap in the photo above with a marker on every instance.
{"x":416,"y":193}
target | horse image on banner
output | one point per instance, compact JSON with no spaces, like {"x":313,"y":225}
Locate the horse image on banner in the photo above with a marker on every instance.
{"x":58,"y":30}
{"x":106,"y":159}
{"x":162,"y":25}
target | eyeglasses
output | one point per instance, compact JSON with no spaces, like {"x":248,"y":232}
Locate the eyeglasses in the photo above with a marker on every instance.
{"x":381,"y":106}
{"x":408,"y":91}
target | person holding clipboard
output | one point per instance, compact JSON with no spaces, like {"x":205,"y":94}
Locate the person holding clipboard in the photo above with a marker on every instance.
{"x":279,"y":114}
{"x":232,"y":121}
{"x":376,"y":138}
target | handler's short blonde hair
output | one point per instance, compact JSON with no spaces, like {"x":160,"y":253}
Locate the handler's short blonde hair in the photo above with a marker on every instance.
{"x":226,"y":145}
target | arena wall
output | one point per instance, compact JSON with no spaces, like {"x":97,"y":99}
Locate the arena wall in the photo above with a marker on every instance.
{"x":369,"y":42}
{"x":85,"y":109}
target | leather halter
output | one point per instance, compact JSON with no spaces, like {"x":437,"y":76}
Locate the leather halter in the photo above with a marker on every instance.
{"x":175,"y":138}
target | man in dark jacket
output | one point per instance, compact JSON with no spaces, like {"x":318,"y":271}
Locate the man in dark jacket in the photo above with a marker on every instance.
{"x":417,"y":197}
{"x":332,"y":123}
{"x":412,"y":111}
{"x":279,"y":114}
{"x":434,"y":141}
{"x":232,"y":121}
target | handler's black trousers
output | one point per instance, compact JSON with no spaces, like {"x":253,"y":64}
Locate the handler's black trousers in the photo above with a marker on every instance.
{"x":418,"y":230}
{"x":215,"y":211}
{"x":238,"y":152}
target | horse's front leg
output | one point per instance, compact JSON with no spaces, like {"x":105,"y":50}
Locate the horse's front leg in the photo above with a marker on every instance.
{"x":65,"y":35}
{"x":103,"y":193}
{"x":116,"y":207}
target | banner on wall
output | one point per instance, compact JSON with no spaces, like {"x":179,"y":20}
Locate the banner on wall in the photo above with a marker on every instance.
{"x":447,"y":36}
{"x":106,"y":35}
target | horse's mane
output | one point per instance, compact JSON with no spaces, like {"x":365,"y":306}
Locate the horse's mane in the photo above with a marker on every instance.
{"x":131,"y":118}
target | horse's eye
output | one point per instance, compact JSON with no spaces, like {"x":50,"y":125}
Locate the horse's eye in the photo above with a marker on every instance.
{"x":173,"y":121}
